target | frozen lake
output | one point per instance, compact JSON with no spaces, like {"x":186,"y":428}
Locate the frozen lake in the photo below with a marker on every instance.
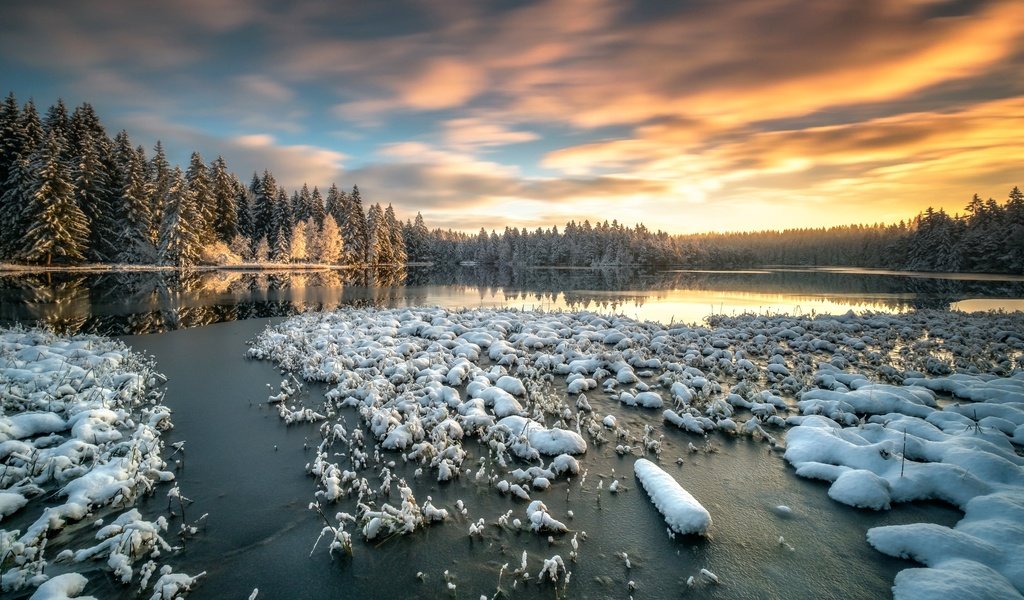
{"x":245,"y":468}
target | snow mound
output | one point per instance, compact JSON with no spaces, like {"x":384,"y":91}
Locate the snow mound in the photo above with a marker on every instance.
{"x":683,"y":513}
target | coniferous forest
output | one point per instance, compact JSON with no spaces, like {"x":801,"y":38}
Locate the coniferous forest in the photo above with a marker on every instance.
{"x":69,"y":194}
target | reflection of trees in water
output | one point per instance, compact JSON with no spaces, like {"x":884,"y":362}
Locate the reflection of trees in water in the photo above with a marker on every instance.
{"x":150,"y":302}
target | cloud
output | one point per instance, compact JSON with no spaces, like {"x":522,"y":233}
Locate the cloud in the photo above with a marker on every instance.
{"x":292,"y":164}
{"x":474,"y":133}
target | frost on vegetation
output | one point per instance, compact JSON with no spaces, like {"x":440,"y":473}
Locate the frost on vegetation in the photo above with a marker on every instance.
{"x":864,"y":398}
{"x":80,"y":429}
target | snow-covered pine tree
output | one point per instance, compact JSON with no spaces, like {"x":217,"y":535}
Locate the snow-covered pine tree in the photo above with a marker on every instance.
{"x":30,"y":128}
{"x":180,"y":244}
{"x":263,"y":207}
{"x":298,"y":248}
{"x":243,"y":210}
{"x":317,"y":208}
{"x":10,"y":150}
{"x":303,"y":208}
{"x":396,"y":242}
{"x":353,"y":229}
{"x":10,"y":137}
{"x":159,"y":187}
{"x":332,"y":203}
{"x":417,"y":242}
{"x":92,"y":190}
{"x":134,"y":244}
{"x":13,"y":205}
{"x":225,"y":224}
{"x":55,"y":224}
{"x":331,"y":243}
{"x":280,"y":246}
{"x":198,"y":180}
{"x":57,"y":122}
{"x":379,"y":242}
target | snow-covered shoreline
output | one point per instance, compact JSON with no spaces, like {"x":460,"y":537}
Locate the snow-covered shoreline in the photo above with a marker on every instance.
{"x":81,"y":421}
{"x":426,"y":380}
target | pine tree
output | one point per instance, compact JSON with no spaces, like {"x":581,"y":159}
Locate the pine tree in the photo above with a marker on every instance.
{"x":396,"y":243}
{"x":92,"y":192}
{"x":13,"y":207}
{"x":10,"y":137}
{"x":243,"y":210}
{"x":159,"y":186}
{"x":180,"y":242}
{"x":333,"y":203}
{"x":353,"y":228}
{"x":198,"y":181}
{"x":317,"y":208}
{"x":57,"y":123}
{"x":280,"y":246}
{"x":263,"y":210}
{"x":298,"y":248}
{"x":416,"y":242}
{"x":10,"y":150}
{"x":134,"y":243}
{"x":379,"y":242}
{"x":224,"y":201}
{"x":304,"y":207}
{"x":330,"y":243}
{"x":56,"y":226}
{"x":31,"y":129}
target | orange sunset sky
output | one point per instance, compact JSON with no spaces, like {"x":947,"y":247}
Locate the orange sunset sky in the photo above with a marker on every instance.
{"x":685,"y":115}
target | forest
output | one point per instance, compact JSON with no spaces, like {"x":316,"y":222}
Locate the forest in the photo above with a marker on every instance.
{"x":69,"y":194}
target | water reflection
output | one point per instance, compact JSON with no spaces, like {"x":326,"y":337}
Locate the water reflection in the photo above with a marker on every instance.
{"x":151,"y":302}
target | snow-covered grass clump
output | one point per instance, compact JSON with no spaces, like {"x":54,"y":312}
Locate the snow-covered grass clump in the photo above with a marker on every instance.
{"x":492,"y":396}
{"x":901,"y":447}
{"x":80,"y":426}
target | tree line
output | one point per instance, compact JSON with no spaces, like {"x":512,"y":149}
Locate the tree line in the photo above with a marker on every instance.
{"x":988,"y":237}
{"x":71,"y":193}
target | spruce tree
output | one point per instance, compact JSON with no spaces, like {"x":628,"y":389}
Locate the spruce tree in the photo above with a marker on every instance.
{"x":317,"y":208}
{"x":353,"y":230}
{"x":379,"y":241}
{"x":263,"y":209}
{"x":159,"y":187}
{"x":330,"y":244}
{"x":180,"y":244}
{"x":10,"y":150}
{"x":396,"y":243}
{"x":30,"y":128}
{"x":243,"y":209}
{"x":280,"y":247}
{"x":134,"y":244}
{"x":13,"y":207}
{"x":55,"y":224}
{"x":223,"y":192}
{"x":332,"y":203}
{"x":92,"y":191}
{"x":198,"y":181}
{"x":304,"y":207}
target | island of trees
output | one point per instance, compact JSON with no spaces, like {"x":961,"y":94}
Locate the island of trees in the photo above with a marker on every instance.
{"x":69,"y":193}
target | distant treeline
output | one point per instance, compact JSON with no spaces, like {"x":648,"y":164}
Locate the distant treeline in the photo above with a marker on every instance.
{"x":70,"y":193}
{"x":988,"y":237}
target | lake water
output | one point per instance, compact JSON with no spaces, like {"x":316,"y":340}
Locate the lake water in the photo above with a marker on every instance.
{"x":152,"y":302}
{"x":245,"y":468}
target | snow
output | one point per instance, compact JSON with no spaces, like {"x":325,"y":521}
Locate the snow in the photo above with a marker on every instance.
{"x":68,"y":585}
{"x":846,"y":398}
{"x":80,"y":429}
{"x":683,"y":513}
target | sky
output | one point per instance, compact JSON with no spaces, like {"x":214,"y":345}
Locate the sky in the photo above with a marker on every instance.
{"x":686,"y":115}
